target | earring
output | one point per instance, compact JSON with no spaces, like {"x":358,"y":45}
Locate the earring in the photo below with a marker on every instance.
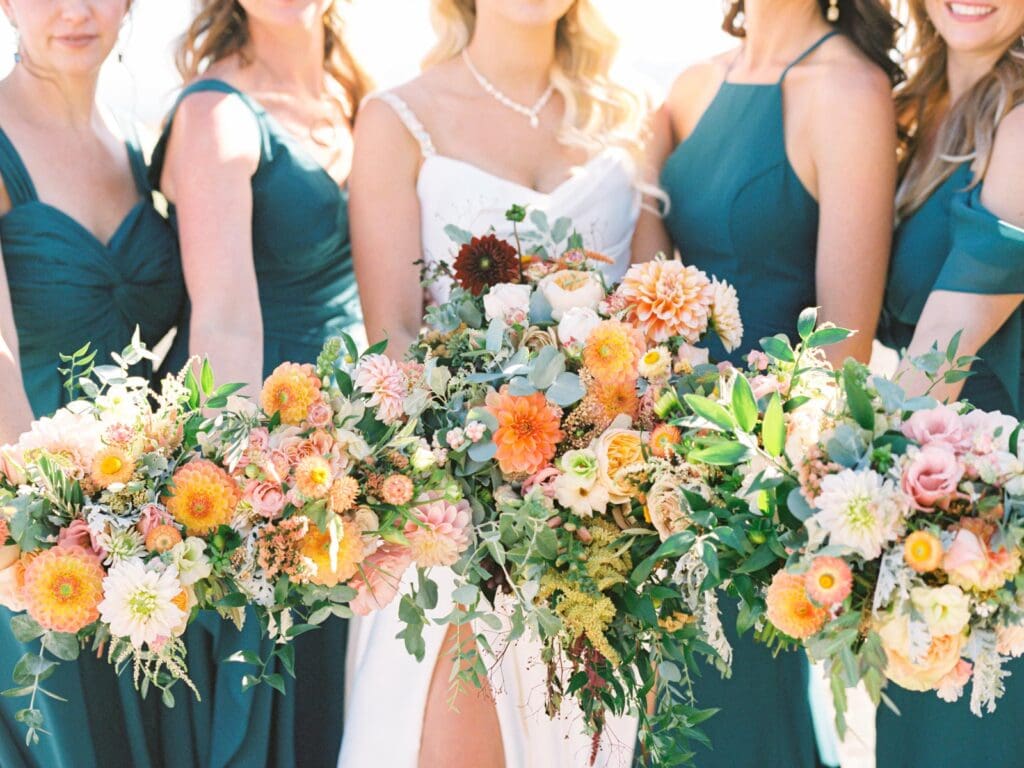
{"x":17,"y":47}
{"x":833,"y":11}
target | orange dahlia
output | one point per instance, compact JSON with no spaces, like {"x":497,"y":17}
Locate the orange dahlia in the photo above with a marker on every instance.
{"x":162,"y":538}
{"x":791,"y":610}
{"x":313,"y":477}
{"x":528,"y":430}
{"x":922,"y":551}
{"x":829,"y":580}
{"x":666,"y":299}
{"x":203,"y":497}
{"x":343,"y":493}
{"x":316,"y":545}
{"x":617,"y":398}
{"x":613,"y":351}
{"x":663,"y":440}
{"x":111,"y":465}
{"x":290,"y":390}
{"x":63,"y":588}
{"x":486,"y":261}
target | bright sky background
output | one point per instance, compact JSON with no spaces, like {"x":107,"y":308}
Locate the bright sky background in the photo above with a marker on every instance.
{"x":659,"y":37}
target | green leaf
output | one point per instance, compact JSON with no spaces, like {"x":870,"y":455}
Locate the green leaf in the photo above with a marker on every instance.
{"x":483,"y":451}
{"x":206,"y":378}
{"x":245,"y":657}
{"x":560,"y":229}
{"x":723,"y":454}
{"x":249,"y":681}
{"x":773,"y":429}
{"x":711,"y":411}
{"x":286,"y":653}
{"x":63,"y":645}
{"x":825,"y":337}
{"x":459,"y":236}
{"x":744,"y":405}
{"x":778,"y":347}
{"x":232,"y":600}
{"x":539,"y":219}
{"x":25,"y":629}
{"x":275,"y":681}
{"x":167,"y":698}
{"x":676,"y":545}
{"x":426,"y":594}
{"x":467,"y":594}
{"x":861,"y":407}
{"x":763,"y":557}
{"x":299,"y":629}
{"x":566,"y":390}
{"x":806,"y":322}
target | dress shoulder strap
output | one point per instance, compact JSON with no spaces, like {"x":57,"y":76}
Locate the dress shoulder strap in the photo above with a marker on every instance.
{"x":18,"y":183}
{"x":409,"y":120}
{"x":817,"y":44}
{"x":136,"y":156}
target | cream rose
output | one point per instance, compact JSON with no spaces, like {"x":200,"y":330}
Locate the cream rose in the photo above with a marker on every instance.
{"x":508,"y":302}
{"x":926,"y":674}
{"x":946,"y":609}
{"x":570,"y":288}
{"x":617,"y":449}
{"x":576,"y":325}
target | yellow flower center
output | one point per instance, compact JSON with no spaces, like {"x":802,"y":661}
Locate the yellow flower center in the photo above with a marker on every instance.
{"x":826,"y":581}
{"x":652,"y":357}
{"x":318,"y":475}
{"x":921,"y":550}
{"x":111,"y":465}
{"x":65,"y":587}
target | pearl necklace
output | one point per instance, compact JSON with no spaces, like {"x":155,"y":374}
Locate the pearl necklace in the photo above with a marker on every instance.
{"x":533,"y":113}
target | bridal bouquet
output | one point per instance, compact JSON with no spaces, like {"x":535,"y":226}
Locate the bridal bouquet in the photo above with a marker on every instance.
{"x":543,"y":391}
{"x":884,"y":531}
{"x":128,"y":511}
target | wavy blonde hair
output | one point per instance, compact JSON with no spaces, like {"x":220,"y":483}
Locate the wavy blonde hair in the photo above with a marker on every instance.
{"x":598,"y":111}
{"x":221,"y":29}
{"x":961,"y":132}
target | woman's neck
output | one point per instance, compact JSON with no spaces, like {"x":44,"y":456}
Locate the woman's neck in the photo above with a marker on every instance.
{"x":289,"y":58}
{"x":54,"y":99}
{"x":777,"y":31}
{"x":516,"y":59}
{"x":963,"y":70}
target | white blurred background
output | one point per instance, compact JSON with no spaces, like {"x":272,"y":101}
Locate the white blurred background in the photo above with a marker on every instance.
{"x":659,"y":38}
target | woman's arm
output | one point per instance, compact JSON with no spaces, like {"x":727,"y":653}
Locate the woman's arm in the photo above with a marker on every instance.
{"x":977,"y":316}
{"x":212,"y":153}
{"x":385,"y":221}
{"x":854,"y":140}
{"x":651,"y":237}
{"x":15,"y":411}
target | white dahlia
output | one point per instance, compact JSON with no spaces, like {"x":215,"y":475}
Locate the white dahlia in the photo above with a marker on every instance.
{"x":860,"y":510}
{"x":142,"y":605}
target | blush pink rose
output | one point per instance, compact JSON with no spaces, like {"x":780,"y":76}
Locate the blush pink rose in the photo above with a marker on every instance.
{"x":10,"y":461}
{"x":77,"y":534}
{"x":940,"y":425}
{"x":932,"y":476}
{"x":259,"y":440}
{"x":278,"y":466}
{"x":951,"y":687}
{"x":970,"y":563}
{"x":322,"y":442}
{"x":379,"y":577}
{"x":151,"y":516}
{"x":319,"y":414}
{"x":267,"y":499}
{"x":544,"y":480}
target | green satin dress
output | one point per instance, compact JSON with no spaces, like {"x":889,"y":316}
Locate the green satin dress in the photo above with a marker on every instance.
{"x":68,"y":288}
{"x":308,"y":293}
{"x":952,"y":243}
{"x":740,"y":212}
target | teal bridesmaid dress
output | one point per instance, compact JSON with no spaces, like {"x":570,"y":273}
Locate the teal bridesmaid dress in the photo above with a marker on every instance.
{"x":68,"y":288}
{"x":307,"y":292}
{"x":952,"y":243}
{"x":740,"y":212}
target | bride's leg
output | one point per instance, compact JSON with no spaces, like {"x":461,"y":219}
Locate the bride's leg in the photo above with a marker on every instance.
{"x":466,"y":734}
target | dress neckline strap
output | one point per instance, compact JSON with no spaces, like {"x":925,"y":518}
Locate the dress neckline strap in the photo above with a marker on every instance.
{"x":814,"y":46}
{"x":222,"y":86}
{"x":409,"y":120}
{"x":18,"y":182}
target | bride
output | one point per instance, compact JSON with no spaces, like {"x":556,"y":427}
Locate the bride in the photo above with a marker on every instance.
{"x":515,"y":107}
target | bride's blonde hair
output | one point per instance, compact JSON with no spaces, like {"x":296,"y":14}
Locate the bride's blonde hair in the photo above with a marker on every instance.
{"x":221,"y":29}
{"x":961,"y":132}
{"x":598,"y":111}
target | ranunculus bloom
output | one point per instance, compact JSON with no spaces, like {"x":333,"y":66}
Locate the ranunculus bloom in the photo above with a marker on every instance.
{"x":925,"y":675}
{"x":319,"y":414}
{"x":267,"y":499}
{"x":932,"y":476}
{"x":570,"y":288}
{"x":543,"y":481}
{"x":970,"y":563}
{"x":508,"y":302}
{"x":259,"y":440}
{"x":988,"y":431}
{"x":618,"y":449}
{"x":76,"y":534}
{"x":151,"y":516}
{"x":941,"y":425}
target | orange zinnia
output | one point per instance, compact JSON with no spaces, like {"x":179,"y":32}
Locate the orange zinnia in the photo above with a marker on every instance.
{"x":528,"y":431}
{"x":613,"y":351}
{"x":790,"y":608}
{"x":63,"y":588}
{"x":663,"y":440}
{"x":203,"y":497}
{"x":290,"y":390}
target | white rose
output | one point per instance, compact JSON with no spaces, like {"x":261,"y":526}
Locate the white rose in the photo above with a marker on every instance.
{"x":576,"y":325}
{"x":508,"y":302}
{"x":946,"y":609}
{"x":571,"y":288}
{"x":189,"y":557}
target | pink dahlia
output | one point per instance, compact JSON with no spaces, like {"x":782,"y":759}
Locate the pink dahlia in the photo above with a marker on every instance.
{"x":384,"y":380}
{"x":438,"y":534}
{"x":379,"y":577}
{"x":666,"y":299}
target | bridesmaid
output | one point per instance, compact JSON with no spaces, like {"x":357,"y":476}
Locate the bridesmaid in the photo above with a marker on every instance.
{"x":779,"y":159}
{"x":79,"y":237}
{"x":253,"y":161}
{"x":958,"y":264}
{"x":515,"y":106}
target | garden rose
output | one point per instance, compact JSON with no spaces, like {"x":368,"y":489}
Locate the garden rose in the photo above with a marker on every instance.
{"x":970,"y":563}
{"x":576,"y":325}
{"x":931,"y":477}
{"x":941,"y":425}
{"x":508,"y":302}
{"x":617,"y":449}
{"x":924,"y":675}
{"x":267,"y":499}
{"x":571,"y":288}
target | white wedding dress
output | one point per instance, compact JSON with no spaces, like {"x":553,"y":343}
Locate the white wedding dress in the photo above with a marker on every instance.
{"x":386,"y":688}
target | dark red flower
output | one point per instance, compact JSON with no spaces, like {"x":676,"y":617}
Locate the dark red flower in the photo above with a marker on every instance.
{"x":486,"y":261}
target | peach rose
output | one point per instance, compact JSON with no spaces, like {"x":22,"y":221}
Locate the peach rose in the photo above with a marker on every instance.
{"x":267,"y":499}
{"x":941,"y":425}
{"x":941,"y":659}
{"x":617,"y":449}
{"x":932,"y":476}
{"x":12,"y":572}
{"x":320,"y":414}
{"x":10,"y":464}
{"x":1010,"y":640}
{"x":971,"y":563}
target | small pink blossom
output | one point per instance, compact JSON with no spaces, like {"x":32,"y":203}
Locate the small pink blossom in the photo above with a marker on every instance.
{"x":294,"y":497}
{"x":119,"y":434}
{"x":321,"y":442}
{"x":543,"y":481}
{"x":475,"y":431}
{"x":151,"y":516}
{"x":932,"y":476}
{"x":937,"y":425}
{"x":951,"y":687}
{"x":455,"y":438}
{"x":765,"y":385}
{"x":77,"y":534}
{"x":259,"y":440}
{"x":693,"y":355}
{"x":758,"y":360}
{"x":267,"y":499}
{"x":319,"y":414}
